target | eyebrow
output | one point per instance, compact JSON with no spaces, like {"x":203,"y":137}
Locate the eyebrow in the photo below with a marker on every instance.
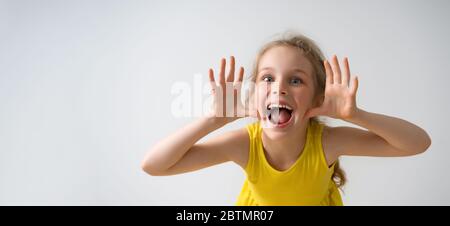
{"x":295,"y":69}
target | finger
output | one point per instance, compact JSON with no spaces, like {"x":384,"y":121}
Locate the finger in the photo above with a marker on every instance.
{"x":354,"y":86}
{"x":222,"y":71}
{"x":328,"y":72}
{"x":238,"y":83}
{"x":236,"y":100}
{"x":346,"y":72}
{"x":212,"y":81}
{"x":230,"y":77}
{"x":239,"y":78}
{"x":241,"y":74}
{"x":336,"y":70}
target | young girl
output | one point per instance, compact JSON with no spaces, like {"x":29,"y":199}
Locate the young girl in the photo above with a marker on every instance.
{"x":288,"y":155}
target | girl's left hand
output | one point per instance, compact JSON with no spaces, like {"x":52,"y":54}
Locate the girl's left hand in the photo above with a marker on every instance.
{"x":340,"y":96}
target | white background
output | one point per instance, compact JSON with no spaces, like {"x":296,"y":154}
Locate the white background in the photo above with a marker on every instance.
{"x":85,"y":92}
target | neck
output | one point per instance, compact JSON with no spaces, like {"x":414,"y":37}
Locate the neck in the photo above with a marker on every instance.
{"x":286,"y":150}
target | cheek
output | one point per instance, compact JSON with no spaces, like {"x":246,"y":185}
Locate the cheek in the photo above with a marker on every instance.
{"x":303,"y":99}
{"x":302,"y":93}
{"x":262,"y":99}
{"x":261,"y":93}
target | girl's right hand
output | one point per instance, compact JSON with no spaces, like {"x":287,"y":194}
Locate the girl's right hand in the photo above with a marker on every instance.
{"x":227,"y":105}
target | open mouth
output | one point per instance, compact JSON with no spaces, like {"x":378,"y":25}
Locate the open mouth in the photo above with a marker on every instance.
{"x":279,"y":114}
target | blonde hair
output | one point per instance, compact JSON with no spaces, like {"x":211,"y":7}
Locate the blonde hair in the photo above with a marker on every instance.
{"x":315,"y":56}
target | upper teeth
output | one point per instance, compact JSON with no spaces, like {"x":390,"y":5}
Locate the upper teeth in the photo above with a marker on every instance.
{"x":279,"y":106}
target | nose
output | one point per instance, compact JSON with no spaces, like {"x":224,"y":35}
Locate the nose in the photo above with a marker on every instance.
{"x":279,"y":88}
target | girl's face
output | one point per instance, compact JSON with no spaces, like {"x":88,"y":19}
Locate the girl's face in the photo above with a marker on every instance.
{"x":284,"y":89}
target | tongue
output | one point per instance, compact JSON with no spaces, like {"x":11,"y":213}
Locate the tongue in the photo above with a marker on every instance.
{"x":281,"y":116}
{"x":284,"y":116}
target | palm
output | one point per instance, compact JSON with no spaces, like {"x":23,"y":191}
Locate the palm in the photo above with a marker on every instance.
{"x":340,"y":96}
{"x":227,"y":93}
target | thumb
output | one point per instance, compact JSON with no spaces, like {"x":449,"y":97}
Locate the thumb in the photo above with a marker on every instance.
{"x":252,"y":112}
{"x":313,"y":112}
{"x":250,"y":107}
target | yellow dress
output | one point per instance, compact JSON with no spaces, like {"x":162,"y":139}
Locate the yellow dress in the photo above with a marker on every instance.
{"x":307,"y":182}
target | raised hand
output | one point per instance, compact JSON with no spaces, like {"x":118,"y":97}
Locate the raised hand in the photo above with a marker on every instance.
{"x":340,"y":93}
{"x":227,"y":103}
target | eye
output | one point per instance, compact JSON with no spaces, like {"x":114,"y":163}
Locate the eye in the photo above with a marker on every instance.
{"x":296,"y":81}
{"x":267,"y":78}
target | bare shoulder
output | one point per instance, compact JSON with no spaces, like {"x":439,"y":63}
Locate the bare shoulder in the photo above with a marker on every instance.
{"x":239,"y":151}
{"x":336,"y":140}
{"x":330,"y":144}
{"x":234,"y":144}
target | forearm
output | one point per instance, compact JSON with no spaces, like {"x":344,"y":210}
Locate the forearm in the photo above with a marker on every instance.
{"x":171,"y":149}
{"x":399,"y":133}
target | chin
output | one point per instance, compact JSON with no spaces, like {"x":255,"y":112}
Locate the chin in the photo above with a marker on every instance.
{"x":275,"y":135}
